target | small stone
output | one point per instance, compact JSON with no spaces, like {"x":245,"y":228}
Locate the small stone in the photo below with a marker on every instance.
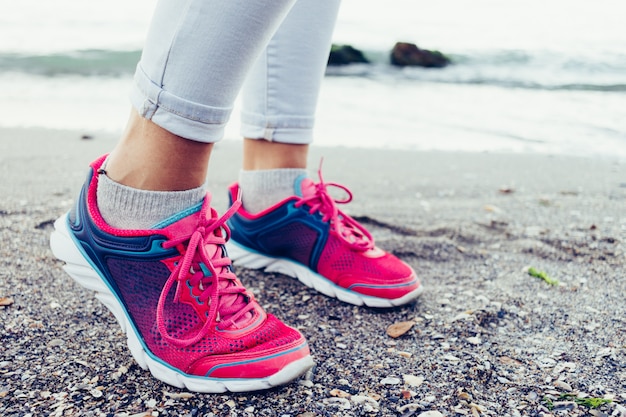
{"x":390,"y":381}
{"x":412,"y":380}
{"x":451,"y":358}
{"x":56,"y":342}
{"x":303,"y":316}
{"x":563,"y":385}
{"x":249,"y":409}
{"x":405,"y":354}
{"x":177,"y":395}
{"x":97,"y":393}
{"x":341,"y":403}
{"x":306,"y":383}
{"x":341,"y":345}
{"x":410,"y":408}
{"x":474,"y":340}
{"x":364,"y":399}
{"x":464,"y":396}
{"x":54,"y":304}
{"x":564,"y":366}
{"x":231,"y":404}
{"x":463,"y":316}
{"x":398,"y":329}
{"x":6,"y":301}
{"x":339,"y":393}
{"x":564,"y":405}
{"x":493,"y":209}
{"x":431,"y":414}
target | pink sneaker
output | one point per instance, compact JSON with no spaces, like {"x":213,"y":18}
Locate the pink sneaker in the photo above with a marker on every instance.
{"x":307,"y":237}
{"x":187,"y":317}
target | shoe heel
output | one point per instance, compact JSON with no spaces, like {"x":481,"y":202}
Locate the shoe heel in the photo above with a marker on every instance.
{"x":79,"y":269}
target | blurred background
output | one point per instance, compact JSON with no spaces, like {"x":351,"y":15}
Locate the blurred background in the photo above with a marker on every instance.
{"x":545,"y":76}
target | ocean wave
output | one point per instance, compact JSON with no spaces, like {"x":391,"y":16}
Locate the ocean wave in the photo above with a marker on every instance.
{"x":91,"y":62}
{"x":543,"y":70}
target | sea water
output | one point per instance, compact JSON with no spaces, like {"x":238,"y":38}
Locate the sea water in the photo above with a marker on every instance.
{"x":527,"y":76}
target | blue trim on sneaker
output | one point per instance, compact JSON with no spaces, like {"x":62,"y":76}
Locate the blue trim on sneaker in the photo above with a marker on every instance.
{"x":178,"y":216}
{"x":249,"y":232}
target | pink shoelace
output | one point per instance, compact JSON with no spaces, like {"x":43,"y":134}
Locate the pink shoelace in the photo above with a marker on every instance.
{"x":220,"y":288}
{"x":348,"y":229}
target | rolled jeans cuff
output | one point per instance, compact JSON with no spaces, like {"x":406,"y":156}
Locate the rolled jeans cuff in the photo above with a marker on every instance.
{"x":297,"y":130}
{"x":181,"y":117}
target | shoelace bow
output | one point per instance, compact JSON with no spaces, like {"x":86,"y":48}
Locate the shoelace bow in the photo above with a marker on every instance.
{"x":348,"y":229}
{"x":225,"y":298}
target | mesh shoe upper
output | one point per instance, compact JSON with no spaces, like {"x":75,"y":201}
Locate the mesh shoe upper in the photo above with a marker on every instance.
{"x":310,"y":229}
{"x":184,"y":301}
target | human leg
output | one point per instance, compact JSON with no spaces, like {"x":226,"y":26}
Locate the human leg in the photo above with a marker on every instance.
{"x":279,"y":102}
{"x":170,"y":284}
{"x":288,"y":223}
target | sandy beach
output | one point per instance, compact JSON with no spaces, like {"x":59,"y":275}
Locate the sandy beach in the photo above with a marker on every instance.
{"x":485,"y":339}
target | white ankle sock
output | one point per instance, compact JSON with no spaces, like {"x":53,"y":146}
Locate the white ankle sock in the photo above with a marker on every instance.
{"x":264,"y":188}
{"x":129,"y":208}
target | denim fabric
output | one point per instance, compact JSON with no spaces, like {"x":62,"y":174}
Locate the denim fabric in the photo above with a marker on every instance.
{"x":198,"y":54}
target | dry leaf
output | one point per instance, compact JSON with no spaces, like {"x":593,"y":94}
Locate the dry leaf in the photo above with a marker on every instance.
{"x":400,"y":328}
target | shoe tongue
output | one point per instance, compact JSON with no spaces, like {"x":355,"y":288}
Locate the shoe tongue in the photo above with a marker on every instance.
{"x":304,"y":187}
{"x":187,"y":225}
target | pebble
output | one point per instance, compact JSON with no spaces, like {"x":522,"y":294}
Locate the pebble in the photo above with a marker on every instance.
{"x":364,"y":399}
{"x":564,"y":405}
{"x":6,"y":301}
{"x":399,"y":328}
{"x":463,"y":316}
{"x":179,"y":395}
{"x":341,"y":345}
{"x":339,"y":393}
{"x":56,"y":342}
{"x":451,"y":358}
{"x":474,"y":340}
{"x":342,"y":403}
{"x":563,"y":385}
{"x":431,"y":414}
{"x":390,"y":381}
{"x":564,"y":366}
{"x":97,"y":393}
{"x":412,"y":380}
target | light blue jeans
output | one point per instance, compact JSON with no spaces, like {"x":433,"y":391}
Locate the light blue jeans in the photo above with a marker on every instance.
{"x":200,"y":54}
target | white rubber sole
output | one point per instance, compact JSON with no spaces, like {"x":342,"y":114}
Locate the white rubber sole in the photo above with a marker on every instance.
{"x":77,"y":266}
{"x":247,"y":258}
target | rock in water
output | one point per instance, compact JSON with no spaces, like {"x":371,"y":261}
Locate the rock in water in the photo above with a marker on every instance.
{"x":406,"y":54}
{"x":346,"y":54}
